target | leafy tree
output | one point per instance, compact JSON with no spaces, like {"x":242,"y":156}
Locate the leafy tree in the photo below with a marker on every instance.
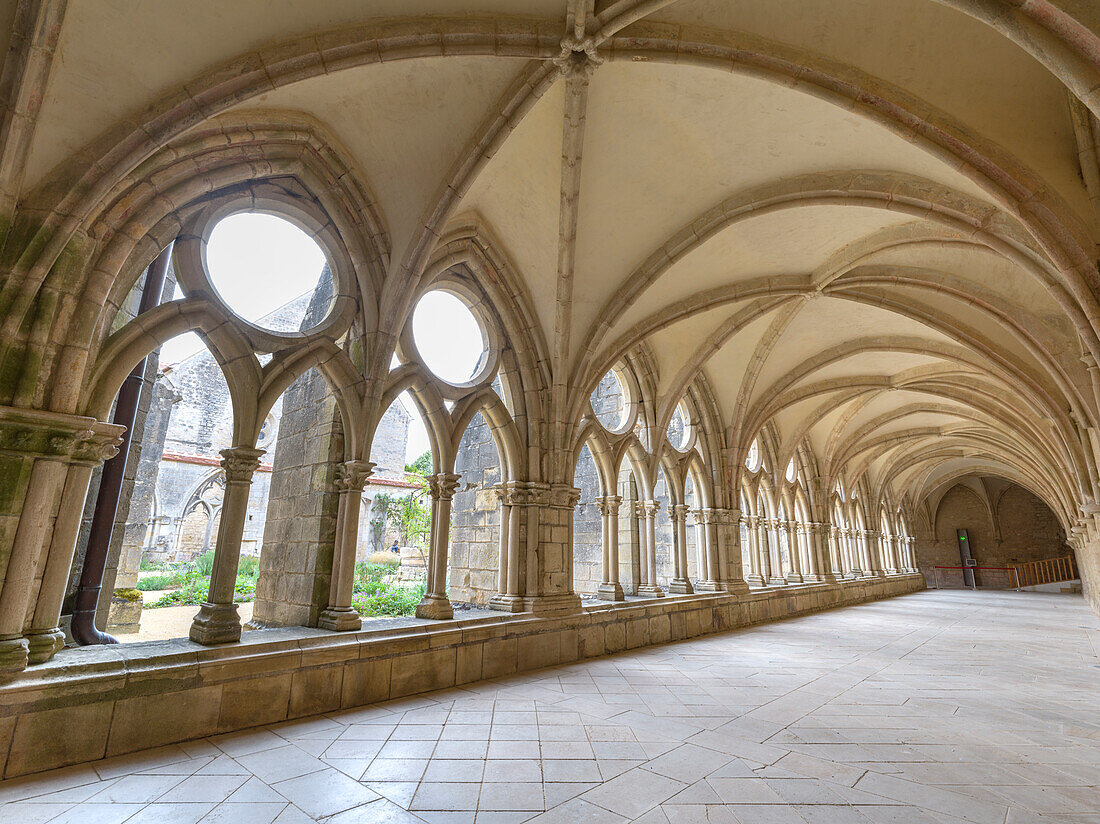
{"x":421,"y":466}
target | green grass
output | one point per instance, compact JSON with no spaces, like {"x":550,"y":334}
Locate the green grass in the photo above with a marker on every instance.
{"x":169,"y":580}
{"x":373,"y":597}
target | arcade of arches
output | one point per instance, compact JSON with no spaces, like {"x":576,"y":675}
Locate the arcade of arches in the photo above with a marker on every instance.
{"x":763,"y":290}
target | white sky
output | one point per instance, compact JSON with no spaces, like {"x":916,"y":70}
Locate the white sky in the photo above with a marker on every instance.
{"x":261,"y":262}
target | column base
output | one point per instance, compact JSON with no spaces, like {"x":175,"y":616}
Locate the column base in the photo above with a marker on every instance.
{"x":553,"y":604}
{"x":775,"y":581}
{"x":755,"y":580}
{"x":875,"y":573}
{"x":650,"y":591}
{"x":13,"y":654}
{"x":729,"y":587}
{"x":44,"y":645}
{"x":796,"y":578}
{"x":506,"y":603}
{"x":216,"y":624}
{"x":435,"y":607}
{"x":340,"y":619}
{"x":680,"y":586}
{"x":611,"y":592}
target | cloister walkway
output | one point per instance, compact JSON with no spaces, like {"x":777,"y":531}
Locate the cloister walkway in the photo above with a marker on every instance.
{"x":943,"y":706}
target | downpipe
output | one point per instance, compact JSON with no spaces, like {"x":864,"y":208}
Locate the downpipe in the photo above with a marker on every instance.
{"x":86,"y":603}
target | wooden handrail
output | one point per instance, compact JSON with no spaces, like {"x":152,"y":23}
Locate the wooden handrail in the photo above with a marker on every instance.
{"x":1047,"y":571}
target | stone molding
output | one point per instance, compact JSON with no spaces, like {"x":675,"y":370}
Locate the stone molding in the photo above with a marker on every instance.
{"x":56,"y":436}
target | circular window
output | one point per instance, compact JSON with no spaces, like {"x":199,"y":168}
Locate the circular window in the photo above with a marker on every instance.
{"x":448,"y":337}
{"x":269,"y":272}
{"x":609,"y":402}
{"x":752,"y":460}
{"x":679,"y":431}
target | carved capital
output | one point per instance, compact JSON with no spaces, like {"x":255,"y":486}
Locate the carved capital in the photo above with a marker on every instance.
{"x":240,"y":462}
{"x":679,"y":512}
{"x":646,"y":509}
{"x":352,"y":476}
{"x":609,"y":504}
{"x":443,"y":486}
{"x":564,"y":496}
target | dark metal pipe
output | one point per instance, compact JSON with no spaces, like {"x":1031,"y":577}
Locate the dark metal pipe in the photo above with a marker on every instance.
{"x":83,"y":626}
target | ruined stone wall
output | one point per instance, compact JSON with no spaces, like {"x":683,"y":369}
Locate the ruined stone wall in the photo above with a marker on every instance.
{"x":475,"y":517}
{"x":299,"y":531}
{"x":1026,"y":530}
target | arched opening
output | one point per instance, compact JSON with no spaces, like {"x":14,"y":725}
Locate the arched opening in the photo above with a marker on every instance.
{"x":449,"y":339}
{"x":474,"y":557}
{"x":588,"y":524}
{"x":269,"y":272}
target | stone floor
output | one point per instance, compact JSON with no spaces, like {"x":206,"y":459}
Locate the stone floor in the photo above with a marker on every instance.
{"x":937,"y":707}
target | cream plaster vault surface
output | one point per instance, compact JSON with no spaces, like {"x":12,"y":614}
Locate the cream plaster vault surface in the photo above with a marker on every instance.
{"x":931,"y":708}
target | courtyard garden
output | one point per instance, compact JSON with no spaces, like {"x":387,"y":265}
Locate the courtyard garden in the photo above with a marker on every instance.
{"x":378,"y":590}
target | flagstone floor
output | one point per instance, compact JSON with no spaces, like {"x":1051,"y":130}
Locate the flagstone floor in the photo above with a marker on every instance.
{"x":934,"y":708}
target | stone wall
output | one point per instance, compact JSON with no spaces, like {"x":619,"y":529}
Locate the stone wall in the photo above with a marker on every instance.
{"x":1025,"y":530}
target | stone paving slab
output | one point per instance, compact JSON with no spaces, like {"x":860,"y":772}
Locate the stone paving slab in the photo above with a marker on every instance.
{"x":940,"y":707}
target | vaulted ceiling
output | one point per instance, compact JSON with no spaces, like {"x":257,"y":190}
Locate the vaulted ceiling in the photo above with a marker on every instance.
{"x":868,"y":223}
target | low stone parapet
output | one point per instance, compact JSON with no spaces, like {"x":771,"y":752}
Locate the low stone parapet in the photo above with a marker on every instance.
{"x":97,"y":702}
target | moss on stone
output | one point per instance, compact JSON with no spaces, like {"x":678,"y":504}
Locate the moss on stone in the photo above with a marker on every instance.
{"x":128,"y":594}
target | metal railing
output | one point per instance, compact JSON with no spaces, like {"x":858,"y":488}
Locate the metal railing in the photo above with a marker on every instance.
{"x":1050,"y":571}
{"x":1011,"y":581}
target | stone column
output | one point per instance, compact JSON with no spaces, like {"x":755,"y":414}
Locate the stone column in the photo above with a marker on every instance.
{"x":794,"y":549}
{"x":764,"y":556}
{"x":217,"y":621}
{"x":647,"y":511}
{"x":509,"y":597}
{"x":701,"y":546}
{"x":44,"y":636}
{"x":436,"y":604}
{"x":820,"y":535}
{"x":875,"y":565}
{"x":724,"y":552}
{"x":756,"y":572}
{"x":340,"y":616}
{"x":549,"y":548}
{"x":680,"y":584}
{"x":911,"y":555}
{"x":890,"y":555}
{"x":775,"y":559}
{"x":855,"y":563}
{"x":809,"y":557}
{"x":610,"y":589}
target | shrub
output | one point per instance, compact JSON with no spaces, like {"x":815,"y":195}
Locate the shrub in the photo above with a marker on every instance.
{"x":193,"y":592}
{"x":167,"y":581}
{"x":384,"y":558}
{"x":204,"y":564}
{"x":392,"y":600}
{"x":248,"y":565}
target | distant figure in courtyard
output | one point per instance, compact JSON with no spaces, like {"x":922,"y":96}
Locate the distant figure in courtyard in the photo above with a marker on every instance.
{"x":395,"y":547}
